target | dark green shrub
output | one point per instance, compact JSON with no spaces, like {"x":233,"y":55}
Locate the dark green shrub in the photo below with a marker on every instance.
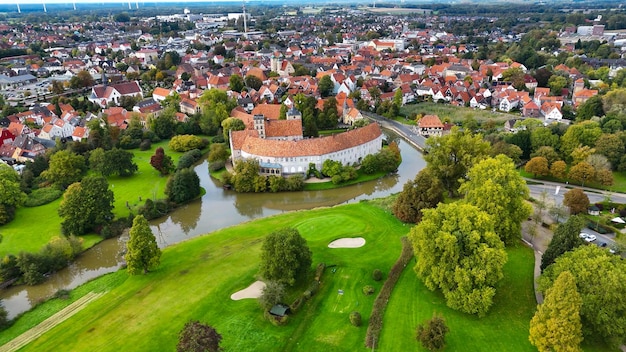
{"x":62,"y":294}
{"x":216,"y":165}
{"x":368,"y":290}
{"x":189,"y":158}
{"x":377,"y":275}
{"x":42,"y":196}
{"x":432,"y":334}
{"x":355,"y":318}
{"x":145,"y":144}
{"x":152,"y":210}
{"x":319,"y":271}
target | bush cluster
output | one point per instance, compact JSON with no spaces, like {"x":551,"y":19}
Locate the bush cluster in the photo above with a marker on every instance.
{"x":355,"y":318}
{"x":216,"y":165}
{"x":116,"y":227}
{"x":313,"y":288}
{"x":383,"y":161}
{"x":42,"y":196}
{"x":368,"y":290}
{"x":377,"y":275}
{"x":338,"y":172}
{"x":154,"y":209}
{"x":189,"y":158}
{"x":31,"y":268}
{"x":376,"y":319}
{"x":187,"y":142}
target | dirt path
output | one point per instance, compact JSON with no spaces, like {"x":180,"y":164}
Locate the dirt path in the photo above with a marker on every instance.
{"x":46,"y":325}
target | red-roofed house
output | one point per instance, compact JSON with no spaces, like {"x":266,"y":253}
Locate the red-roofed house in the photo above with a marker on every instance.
{"x":103,"y":95}
{"x":430,"y":125}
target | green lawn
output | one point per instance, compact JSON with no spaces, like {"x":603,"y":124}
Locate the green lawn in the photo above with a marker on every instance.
{"x":33,"y":227}
{"x":505,"y":328}
{"x":197,"y":277}
{"x":454,"y":113}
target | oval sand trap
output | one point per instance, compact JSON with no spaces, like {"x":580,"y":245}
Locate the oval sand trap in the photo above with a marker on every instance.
{"x":253,"y":291}
{"x":355,"y":242}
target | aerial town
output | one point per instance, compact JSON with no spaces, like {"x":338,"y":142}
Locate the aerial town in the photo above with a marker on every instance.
{"x":359,"y":176}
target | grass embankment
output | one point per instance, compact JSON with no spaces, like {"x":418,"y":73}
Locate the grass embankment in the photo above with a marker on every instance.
{"x":505,"y":328}
{"x":197,"y":277}
{"x":619,"y":181}
{"x":33,"y":227}
{"x":454,"y":113}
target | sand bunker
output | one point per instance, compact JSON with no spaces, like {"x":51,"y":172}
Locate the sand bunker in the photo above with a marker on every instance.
{"x":253,"y":291}
{"x":347,"y":243}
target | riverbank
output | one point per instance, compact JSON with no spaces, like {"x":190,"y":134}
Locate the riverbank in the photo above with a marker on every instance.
{"x":197,"y":277}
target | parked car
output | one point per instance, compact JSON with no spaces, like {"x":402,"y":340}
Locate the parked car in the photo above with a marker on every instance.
{"x":587,"y":237}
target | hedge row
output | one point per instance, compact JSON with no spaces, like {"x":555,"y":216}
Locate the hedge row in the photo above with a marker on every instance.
{"x":311,"y":290}
{"x":378,"y":311}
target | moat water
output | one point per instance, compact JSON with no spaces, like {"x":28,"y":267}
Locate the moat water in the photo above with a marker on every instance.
{"x":218,"y":208}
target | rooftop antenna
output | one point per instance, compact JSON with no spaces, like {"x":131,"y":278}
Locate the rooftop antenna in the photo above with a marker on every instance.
{"x":18,"y":7}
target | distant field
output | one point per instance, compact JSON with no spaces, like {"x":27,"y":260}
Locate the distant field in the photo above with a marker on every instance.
{"x":455,"y":113}
{"x":395,"y":10}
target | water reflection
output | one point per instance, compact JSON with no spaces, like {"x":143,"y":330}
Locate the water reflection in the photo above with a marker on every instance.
{"x":217,"y":209}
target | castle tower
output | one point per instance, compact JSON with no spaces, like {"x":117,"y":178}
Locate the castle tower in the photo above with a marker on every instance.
{"x":293,"y":114}
{"x":259,"y":125}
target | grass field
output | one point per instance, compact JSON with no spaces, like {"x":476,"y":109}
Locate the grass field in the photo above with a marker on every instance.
{"x":454,"y":113}
{"x":33,"y":227}
{"x":197,"y":277}
{"x":505,"y":328}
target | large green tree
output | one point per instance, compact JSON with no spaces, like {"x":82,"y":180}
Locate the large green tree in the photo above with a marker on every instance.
{"x":566,"y":238}
{"x":494,"y":186}
{"x":164,"y":125}
{"x":65,"y":168}
{"x":590,"y":108}
{"x":612,"y":147}
{"x":424,"y":192}
{"x":231,"y":124}
{"x":601,"y":282}
{"x":585,"y":133}
{"x":11,"y":195}
{"x":459,"y":253}
{"x":235,"y":82}
{"x":183,"y":186}
{"x":556,"y":325}
{"x":325,"y":86}
{"x":142,"y":252}
{"x":450,"y":156}
{"x":285,"y":256}
{"x":86,"y":205}
{"x":112,"y":162}
{"x":216,"y":107}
